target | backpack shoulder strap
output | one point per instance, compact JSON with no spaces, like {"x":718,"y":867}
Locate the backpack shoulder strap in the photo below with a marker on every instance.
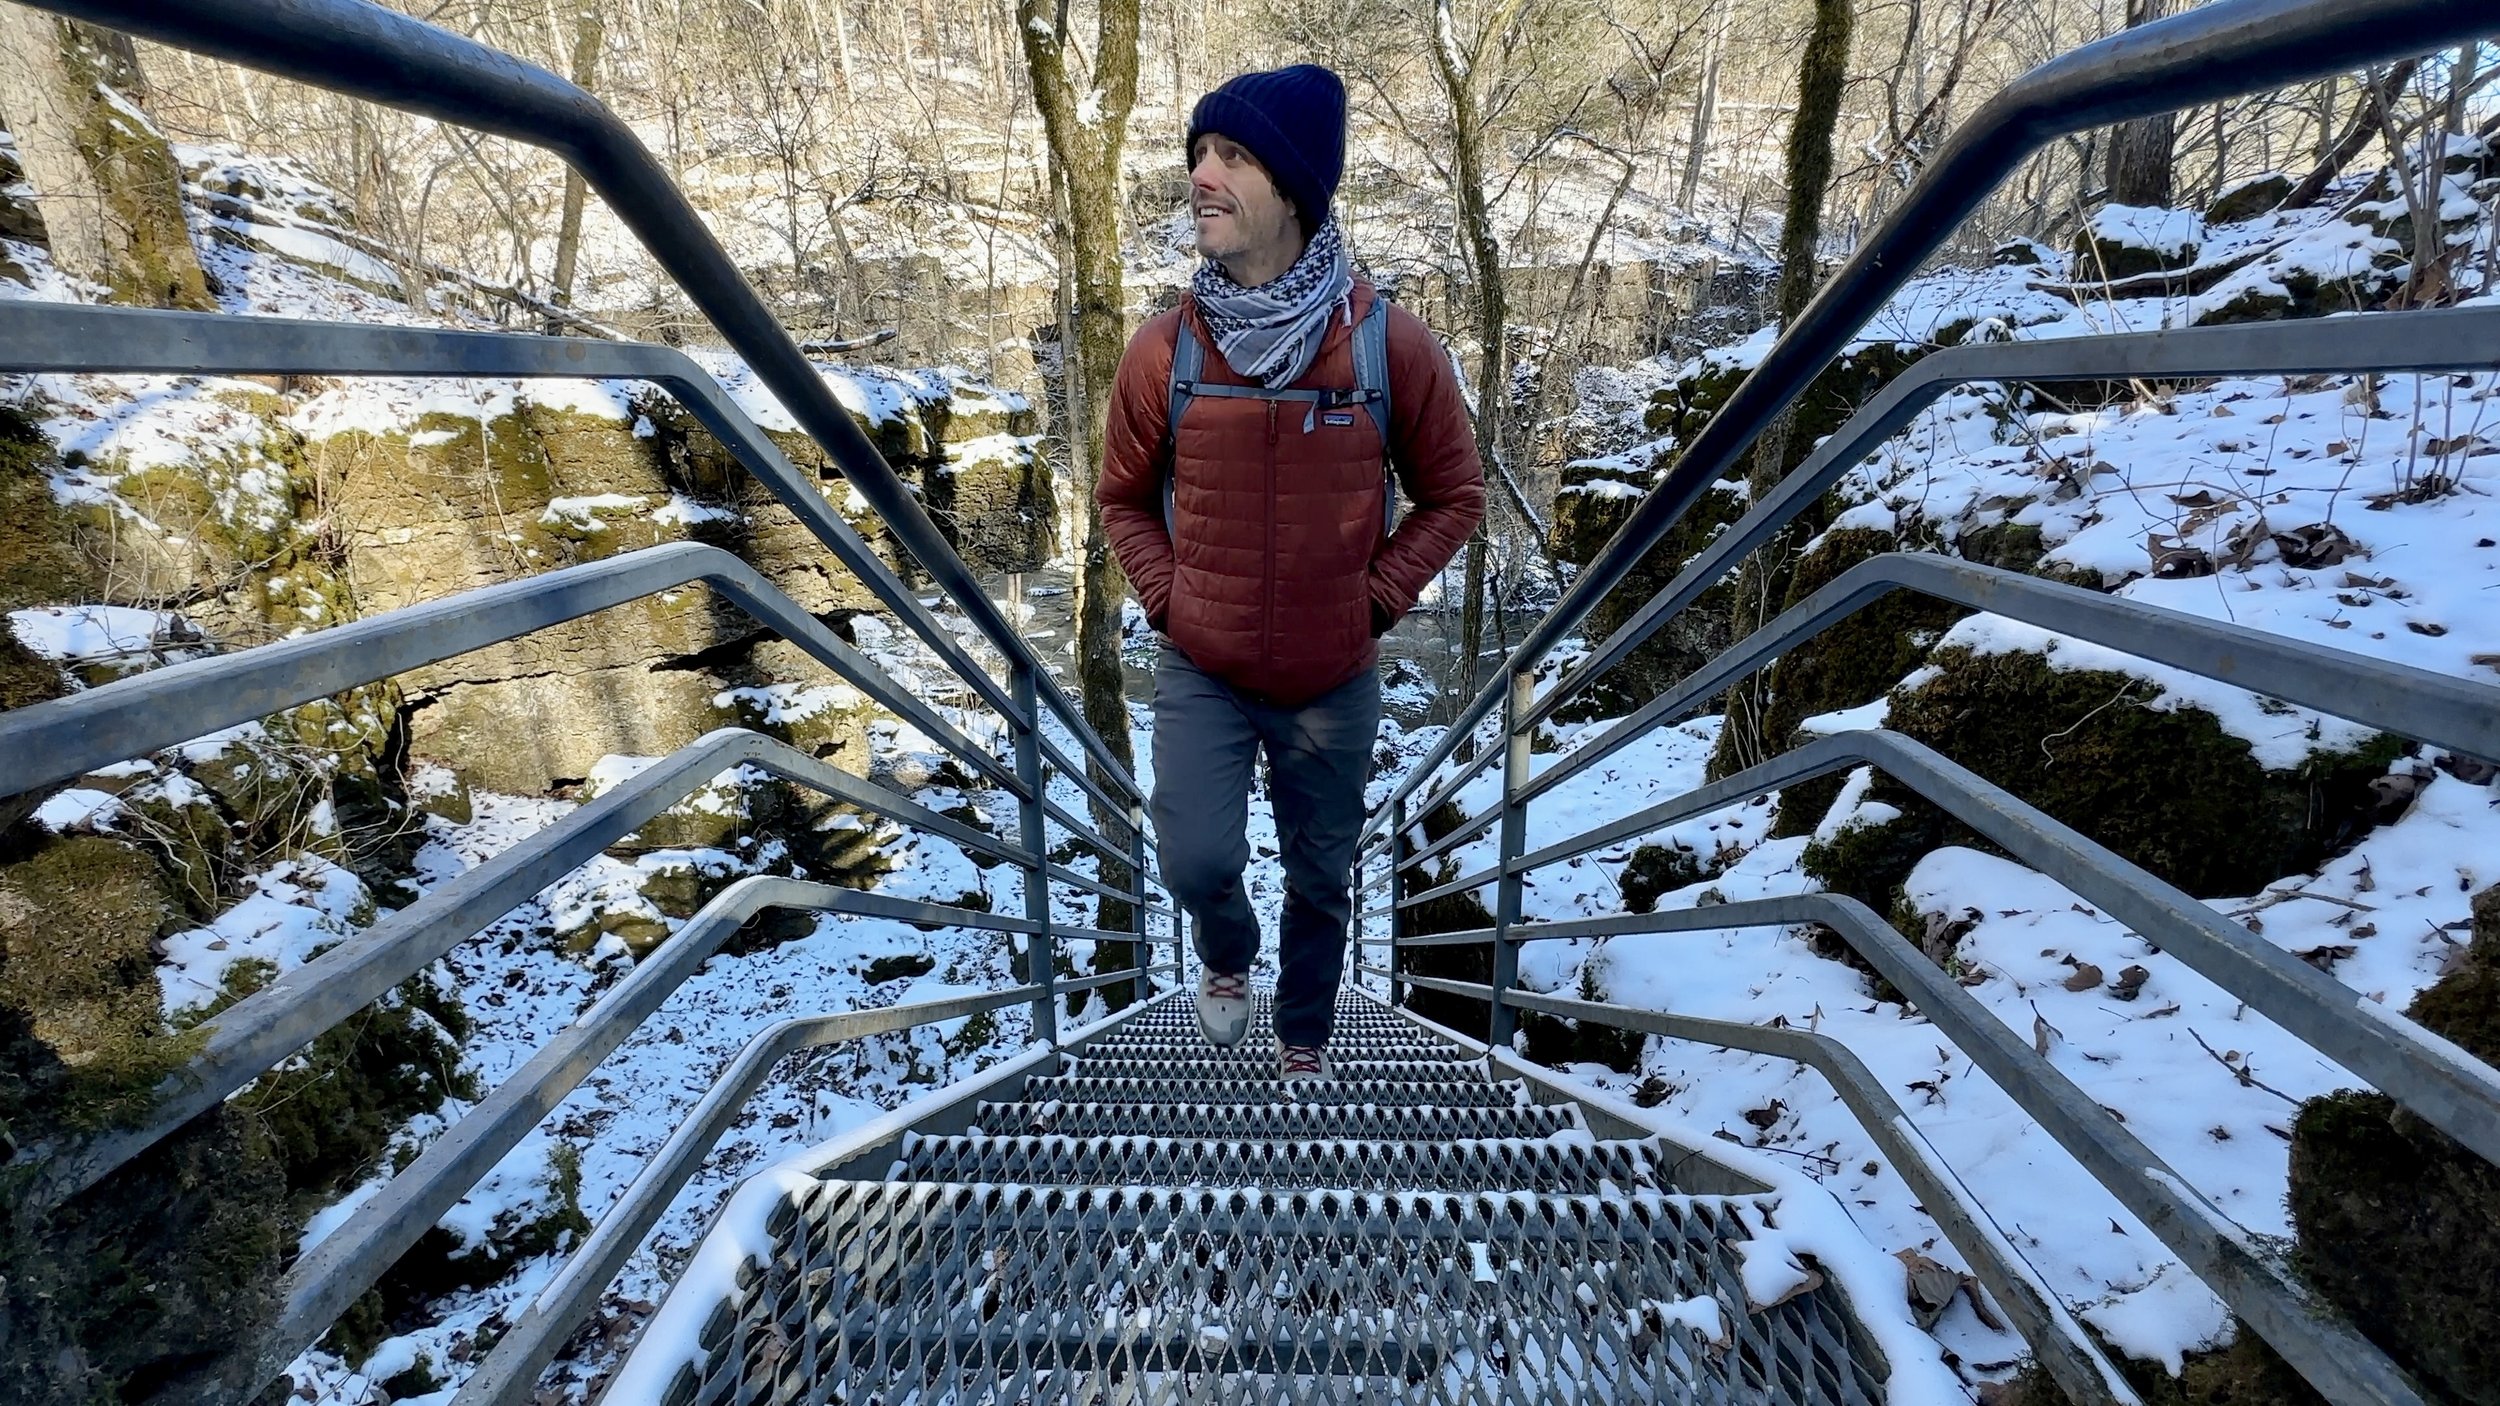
{"x":1189,"y":362}
{"x":1371,"y":365}
{"x":1371,"y":384}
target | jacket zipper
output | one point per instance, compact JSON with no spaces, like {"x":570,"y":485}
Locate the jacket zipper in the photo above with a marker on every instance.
{"x":1267,"y":615}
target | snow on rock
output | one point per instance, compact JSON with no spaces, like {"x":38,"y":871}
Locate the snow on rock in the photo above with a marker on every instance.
{"x":2170,"y":234}
{"x":296,"y":907}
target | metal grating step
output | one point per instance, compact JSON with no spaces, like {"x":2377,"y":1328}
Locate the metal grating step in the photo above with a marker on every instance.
{"x":948,"y":1292}
{"x":1247,"y":1089}
{"x":1219,"y":1070}
{"x":1547,"y":1165}
{"x":1192,"y":1047}
{"x":1276,"y":1120}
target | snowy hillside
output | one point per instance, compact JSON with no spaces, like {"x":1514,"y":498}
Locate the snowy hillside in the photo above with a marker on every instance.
{"x":2362,"y":514}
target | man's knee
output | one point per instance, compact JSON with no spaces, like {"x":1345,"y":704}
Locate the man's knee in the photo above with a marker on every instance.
{"x":1198,"y":875}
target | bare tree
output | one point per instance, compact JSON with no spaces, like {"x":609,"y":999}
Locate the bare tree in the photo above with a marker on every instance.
{"x":105,"y":180}
{"x":2138,"y":169}
{"x":589,"y":31}
{"x":1822,"y":76}
{"x":1085,"y":129}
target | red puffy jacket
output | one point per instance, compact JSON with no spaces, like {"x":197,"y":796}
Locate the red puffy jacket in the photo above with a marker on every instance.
{"x":1276,"y":575}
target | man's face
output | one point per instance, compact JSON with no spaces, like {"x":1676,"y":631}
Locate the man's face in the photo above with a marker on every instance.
{"x":1236,"y":207}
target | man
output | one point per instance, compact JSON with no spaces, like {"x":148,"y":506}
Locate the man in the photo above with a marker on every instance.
{"x":1244,"y":491}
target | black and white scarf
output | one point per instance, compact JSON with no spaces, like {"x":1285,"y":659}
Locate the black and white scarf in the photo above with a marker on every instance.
{"x":1271,"y":333}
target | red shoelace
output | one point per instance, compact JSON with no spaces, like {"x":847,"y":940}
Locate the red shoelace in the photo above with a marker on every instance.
{"x":1229,"y":988}
{"x":1303,"y":1059}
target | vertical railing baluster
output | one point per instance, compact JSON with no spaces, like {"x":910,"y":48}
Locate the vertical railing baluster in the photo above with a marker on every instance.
{"x":1398,"y":926}
{"x":1041,"y":961}
{"x":1505,"y":1021}
{"x":1143,"y":952}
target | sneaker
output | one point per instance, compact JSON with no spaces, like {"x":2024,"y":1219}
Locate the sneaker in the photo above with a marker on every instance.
{"x":1223,"y":1008}
{"x":1303,"y":1064}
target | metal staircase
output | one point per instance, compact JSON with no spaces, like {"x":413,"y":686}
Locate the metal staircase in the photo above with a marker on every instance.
{"x":1159,"y":1222}
{"x":1119,"y":1213}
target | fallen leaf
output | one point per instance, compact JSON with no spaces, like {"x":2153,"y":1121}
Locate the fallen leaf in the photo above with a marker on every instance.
{"x":2130,"y":983}
{"x":1932,"y":1286}
{"x":2084,"y":978}
{"x":2317,"y":545}
{"x":2366,"y":930}
{"x":2325,"y":957}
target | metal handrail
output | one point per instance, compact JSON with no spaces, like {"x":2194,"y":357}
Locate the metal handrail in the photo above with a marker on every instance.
{"x":61,"y":738}
{"x":362,"y":50}
{"x":326,"y":1281}
{"x":510,"y":1372}
{"x":366,"y":51}
{"x":2423,"y":1071}
{"x":2221,"y":50}
{"x":2225,"y":48}
{"x":248,"y":1038}
{"x":2065,"y":1350}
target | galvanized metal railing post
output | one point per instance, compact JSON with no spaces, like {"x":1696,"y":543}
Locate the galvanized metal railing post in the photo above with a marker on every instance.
{"x":1397,"y":889}
{"x":1515,"y":730}
{"x":1138,"y":918}
{"x":1041,"y":959}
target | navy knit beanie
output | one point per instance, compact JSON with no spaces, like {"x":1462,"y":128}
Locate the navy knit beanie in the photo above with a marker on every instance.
{"x":1293,"y":121}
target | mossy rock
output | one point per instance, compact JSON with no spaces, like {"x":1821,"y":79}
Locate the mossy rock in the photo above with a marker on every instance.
{"x":1687,"y":641}
{"x":900,"y":967}
{"x":1462,"y":912}
{"x":1654,"y":870}
{"x":79,"y":923}
{"x":1854,"y":662}
{"x":2165,"y":789}
{"x":2110,"y":260}
{"x":195,"y":842}
{"x":994,"y":509}
{"x":2247,"y":1372}
{"x":1704,"y":628}
{"x":1552,"y":1041}
{"x":330,"y":1111}
{"x":2399,"y":1224}
{"x":1591,"y":505}
{"x":2247,"y":199}
{"x":140,"y":1287}
{"x":154,"y":264}
{"x":40,"y":563}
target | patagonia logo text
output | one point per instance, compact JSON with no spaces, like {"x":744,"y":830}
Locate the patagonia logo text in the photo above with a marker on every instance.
{"x":1337,"y":417}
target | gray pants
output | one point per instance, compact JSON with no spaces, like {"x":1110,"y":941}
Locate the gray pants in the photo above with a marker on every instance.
{"x":1207,"y":737}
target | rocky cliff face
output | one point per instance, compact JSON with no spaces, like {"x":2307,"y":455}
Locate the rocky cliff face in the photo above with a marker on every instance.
{"x":146,"y":520}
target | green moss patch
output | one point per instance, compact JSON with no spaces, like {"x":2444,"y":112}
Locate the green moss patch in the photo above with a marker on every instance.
{"x":79,"y":920}
{"x":138,"y":1288}
{"x":2399,"y":1224}
{"x":2167,"y":789}
{"x":330,"y":1112}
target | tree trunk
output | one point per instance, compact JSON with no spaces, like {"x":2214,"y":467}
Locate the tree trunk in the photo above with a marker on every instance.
{"x":2138,"y":165}
{"x":105,"y":180}
{"x":588,"y":34}
{"x":1085,"y":163}
{"x":1705,"y":106}
{"x":1483,"y":255}
{"x":2358,"y":134}
{"x":1821,"y":78}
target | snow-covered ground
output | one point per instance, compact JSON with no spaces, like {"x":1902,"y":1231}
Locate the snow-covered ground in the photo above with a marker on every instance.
{"x":2359,"y":514}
